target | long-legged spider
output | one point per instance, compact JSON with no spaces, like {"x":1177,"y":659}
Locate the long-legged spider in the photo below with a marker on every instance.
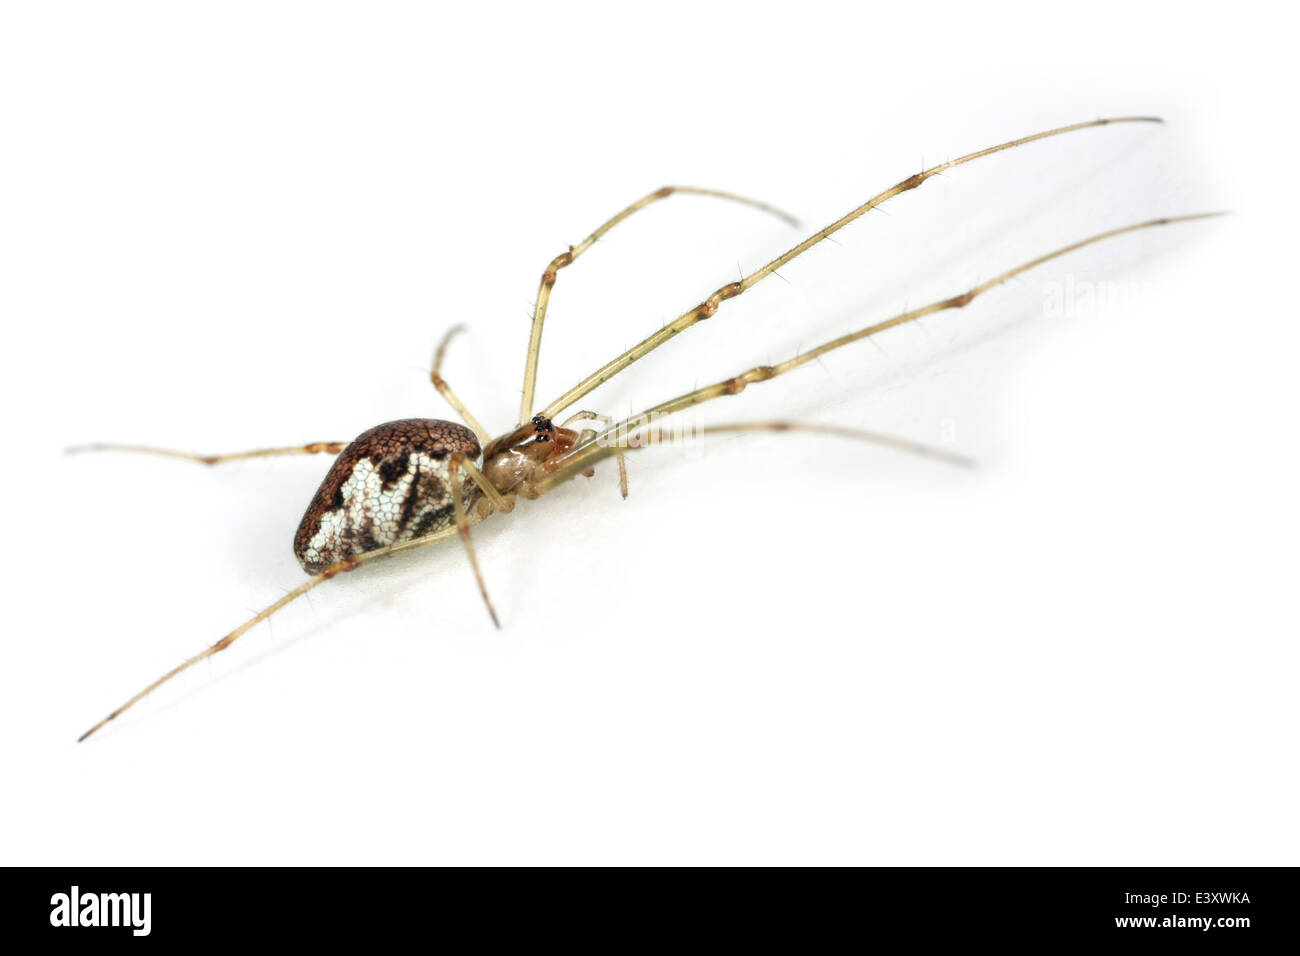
{"x":411,"y":483}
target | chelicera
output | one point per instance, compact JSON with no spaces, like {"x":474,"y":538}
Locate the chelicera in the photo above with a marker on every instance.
{"x":411,"y":483}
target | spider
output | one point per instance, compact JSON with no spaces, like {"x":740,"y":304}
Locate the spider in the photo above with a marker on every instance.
{"x":415,"y":482}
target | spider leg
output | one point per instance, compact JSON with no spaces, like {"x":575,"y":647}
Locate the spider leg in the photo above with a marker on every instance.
{"x":637,"y":439}
{"x":458,"y":463}
{"x":567,"y":258}
{"x":608,"y":442}
{"x":709,"y":306}
{"x":605,"y":420}
{"x":315,"y":448}
{"x":339,"y":567}
{"x":441,"y":385}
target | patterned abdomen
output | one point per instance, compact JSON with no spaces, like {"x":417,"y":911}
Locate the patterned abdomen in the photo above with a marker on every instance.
{"x":390,"y":485}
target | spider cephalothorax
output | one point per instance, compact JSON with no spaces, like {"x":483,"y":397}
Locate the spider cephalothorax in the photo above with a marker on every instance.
{"x":512,"y":462}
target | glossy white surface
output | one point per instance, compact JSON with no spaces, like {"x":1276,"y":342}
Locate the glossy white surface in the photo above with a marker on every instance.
{"x":250,"y":228}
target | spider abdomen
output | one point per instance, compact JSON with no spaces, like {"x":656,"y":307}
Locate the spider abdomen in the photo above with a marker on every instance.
{"x":390,"y":485}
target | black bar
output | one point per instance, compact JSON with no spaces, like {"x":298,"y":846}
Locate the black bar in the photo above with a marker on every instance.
{"x":1225,"y":907}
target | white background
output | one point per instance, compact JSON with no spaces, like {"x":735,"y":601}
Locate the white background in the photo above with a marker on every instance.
{"x":237,"y":225}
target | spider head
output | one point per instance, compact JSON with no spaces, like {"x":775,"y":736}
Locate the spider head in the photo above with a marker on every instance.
{"x":511,"y":461}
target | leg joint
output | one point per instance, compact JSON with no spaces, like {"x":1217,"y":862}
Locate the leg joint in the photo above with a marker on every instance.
{"x":341,"y":567}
